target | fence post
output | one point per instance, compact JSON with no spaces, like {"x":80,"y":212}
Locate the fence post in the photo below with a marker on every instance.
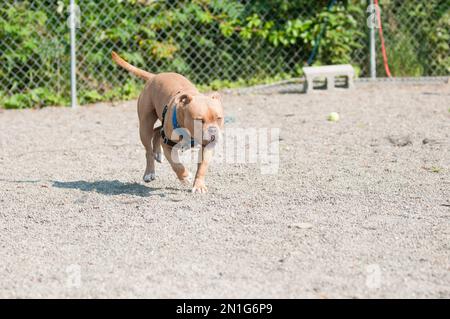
{"x":73,"y":68}
{"x":373,"y":63}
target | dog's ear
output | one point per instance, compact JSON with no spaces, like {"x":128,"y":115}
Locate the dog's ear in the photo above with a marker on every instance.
{"x":215,"y":96}
{"x":184,"y":99}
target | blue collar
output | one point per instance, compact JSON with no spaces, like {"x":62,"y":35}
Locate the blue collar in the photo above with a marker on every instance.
{"x":166,"y":140}
{"x":174,"y":118}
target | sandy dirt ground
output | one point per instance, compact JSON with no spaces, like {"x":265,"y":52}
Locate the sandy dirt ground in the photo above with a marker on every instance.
{"x":359,"y":208}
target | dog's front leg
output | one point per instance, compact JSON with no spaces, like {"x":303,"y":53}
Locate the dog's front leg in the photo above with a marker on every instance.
{"x":205,"y":156}
{"x":172,"y":157}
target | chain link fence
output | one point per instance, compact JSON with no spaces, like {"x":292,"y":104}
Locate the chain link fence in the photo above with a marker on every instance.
{"x":214,"y":43}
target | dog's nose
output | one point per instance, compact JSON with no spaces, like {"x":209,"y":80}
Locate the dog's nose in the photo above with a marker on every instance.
{"x":212,"y":130}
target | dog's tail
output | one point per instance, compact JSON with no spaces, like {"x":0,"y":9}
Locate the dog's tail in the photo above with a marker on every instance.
{"x":131,"y":68}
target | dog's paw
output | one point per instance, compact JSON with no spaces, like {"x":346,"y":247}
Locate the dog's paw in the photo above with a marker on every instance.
{"x":199,"y":187}
{"x":187,"y":180}
{"x":158,"y":157}
{"x":149,"y":177}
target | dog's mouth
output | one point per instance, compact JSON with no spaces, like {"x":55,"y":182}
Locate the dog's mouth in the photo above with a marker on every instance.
{"x":209,"y":141}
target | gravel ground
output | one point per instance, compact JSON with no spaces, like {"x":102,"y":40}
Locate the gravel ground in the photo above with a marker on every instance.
{"x":359,"y":208}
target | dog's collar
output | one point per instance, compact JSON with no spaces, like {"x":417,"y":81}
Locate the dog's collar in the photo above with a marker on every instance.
{"x":175,"y":125}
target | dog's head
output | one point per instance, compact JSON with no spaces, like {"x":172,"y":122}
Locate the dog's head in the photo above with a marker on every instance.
{"x":202,"y":112}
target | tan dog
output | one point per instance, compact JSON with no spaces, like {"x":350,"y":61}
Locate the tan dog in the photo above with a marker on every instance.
{"x":174,"y":93}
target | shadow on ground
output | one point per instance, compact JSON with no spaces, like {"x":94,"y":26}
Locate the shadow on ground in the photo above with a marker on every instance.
{"x":114,"y":187}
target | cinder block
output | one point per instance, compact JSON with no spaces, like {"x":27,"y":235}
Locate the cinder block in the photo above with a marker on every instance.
{"x":330,"y":72}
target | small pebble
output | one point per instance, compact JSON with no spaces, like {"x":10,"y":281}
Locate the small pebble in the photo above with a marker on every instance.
{"x":302,"y":225}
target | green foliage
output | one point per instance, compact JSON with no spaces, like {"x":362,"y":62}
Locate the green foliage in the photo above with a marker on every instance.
{"x":130,"y":90}
{"x":417,"y":35}
{"x":403,"y":59}
{"x":35,"y":98}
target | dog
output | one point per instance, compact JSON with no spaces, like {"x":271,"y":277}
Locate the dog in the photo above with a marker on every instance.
{"x":176,"y":102}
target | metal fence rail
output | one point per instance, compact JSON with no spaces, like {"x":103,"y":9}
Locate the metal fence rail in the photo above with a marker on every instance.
{"x":215,"y":43}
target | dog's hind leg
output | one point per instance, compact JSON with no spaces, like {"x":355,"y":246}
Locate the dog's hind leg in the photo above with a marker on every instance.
{"x":156,"y":143}
{"x":146,"y":132}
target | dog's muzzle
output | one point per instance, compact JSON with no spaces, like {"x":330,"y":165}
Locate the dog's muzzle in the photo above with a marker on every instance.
{"x":211,"y":135}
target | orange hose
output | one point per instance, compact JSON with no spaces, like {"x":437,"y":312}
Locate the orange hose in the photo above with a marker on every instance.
{"x":383,"y":48}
